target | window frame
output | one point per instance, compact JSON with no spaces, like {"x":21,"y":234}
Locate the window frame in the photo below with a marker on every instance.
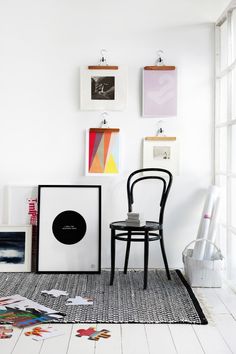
{"x":219,"y":125}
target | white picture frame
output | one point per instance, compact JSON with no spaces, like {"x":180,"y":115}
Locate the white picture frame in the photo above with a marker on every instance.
{"x":69,"y":229}
{"x":161,"y":152}
{"x":18,"y":197}
{"x":103,"y":90}
{"x":15,"y":248}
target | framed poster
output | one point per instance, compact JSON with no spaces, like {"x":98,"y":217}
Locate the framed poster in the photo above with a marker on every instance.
{"x":159,"y":93}
{"x":69,"y":229}
{"x":103,"y":89}
{"x":102,"y":152}
{"x":161,"y":152}
{"x":15,"y":248}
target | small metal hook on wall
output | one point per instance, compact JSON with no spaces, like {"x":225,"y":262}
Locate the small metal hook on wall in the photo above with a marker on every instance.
{"x":160,"y":60}
{"x":104,"y":122}
{"x":160,"y":130}
{"x":103,"y":60}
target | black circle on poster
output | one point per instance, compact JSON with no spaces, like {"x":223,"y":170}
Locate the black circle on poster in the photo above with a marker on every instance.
{"x":69,"y":227}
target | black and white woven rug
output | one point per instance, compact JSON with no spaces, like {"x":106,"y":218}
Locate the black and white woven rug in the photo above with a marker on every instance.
{"x":165,"y":301}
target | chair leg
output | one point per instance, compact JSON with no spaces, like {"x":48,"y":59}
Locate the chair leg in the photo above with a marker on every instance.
{"x":113,"y":250}
{"x":164,"y":257}
{"x":146,"y":254}
{"x":127,"y":252}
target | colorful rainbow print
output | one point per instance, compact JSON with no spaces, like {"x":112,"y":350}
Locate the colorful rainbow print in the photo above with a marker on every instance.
{"x":103,"y":151}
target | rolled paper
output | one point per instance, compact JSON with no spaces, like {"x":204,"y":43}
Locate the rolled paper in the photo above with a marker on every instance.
{"x":203,"y":230}
{"x":209,"y":249}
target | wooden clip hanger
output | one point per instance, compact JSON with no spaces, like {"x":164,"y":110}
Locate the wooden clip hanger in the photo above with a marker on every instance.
{"x":103,"y":67}
{"x":160,"y":138}
{"x":103,"y":63}
{"x":159,"y":67}
{"x":104,"y":130}
{"x":159,"y":63}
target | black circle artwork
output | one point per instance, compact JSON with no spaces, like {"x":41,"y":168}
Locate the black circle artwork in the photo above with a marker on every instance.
{"x":69,"y":227}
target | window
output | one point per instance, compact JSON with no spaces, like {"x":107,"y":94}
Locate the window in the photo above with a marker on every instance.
{"x":225,"y":134}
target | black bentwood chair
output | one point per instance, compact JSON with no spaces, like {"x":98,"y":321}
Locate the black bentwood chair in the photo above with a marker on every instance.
{"x":152,"y":231}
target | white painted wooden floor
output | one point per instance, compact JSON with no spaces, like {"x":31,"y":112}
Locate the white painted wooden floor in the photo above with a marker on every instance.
{"x":219,"y":336}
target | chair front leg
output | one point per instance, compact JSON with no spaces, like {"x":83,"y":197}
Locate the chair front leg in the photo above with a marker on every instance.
{"x":164,"y":257}
{"x":127,"y":252}
{"x":146,"y":255}
{"x":113,"y":251}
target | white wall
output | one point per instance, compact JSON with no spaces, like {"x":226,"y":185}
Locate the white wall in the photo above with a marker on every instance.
{"x":44,"y":43}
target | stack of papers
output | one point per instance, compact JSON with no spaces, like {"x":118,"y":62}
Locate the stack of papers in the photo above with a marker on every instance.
{"x":135,"y":219}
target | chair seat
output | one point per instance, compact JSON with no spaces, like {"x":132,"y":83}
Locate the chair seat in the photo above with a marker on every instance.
{"x":150,"y":226}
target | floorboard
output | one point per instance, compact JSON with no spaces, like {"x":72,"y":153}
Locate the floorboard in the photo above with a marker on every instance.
{"x":134,"y":339}
{"x":111,"y":345}
{"x":159,"y":336}
{"x":7,"y":345}
{"x":211,"y":340}
{"x":61,"y":343}
{"x":185,"y":339}
{"x":228,"y":297}
{"x":227,"y":327}
{"x":80,"y":344}
{"x":214,"y":302}
{"x":26,"y":345}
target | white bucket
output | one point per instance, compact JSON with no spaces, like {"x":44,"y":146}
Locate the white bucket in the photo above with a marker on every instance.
{"x":203,"y":273}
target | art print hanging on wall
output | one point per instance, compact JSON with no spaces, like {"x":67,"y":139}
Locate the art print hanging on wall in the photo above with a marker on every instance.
{"x":159,"y":92}
{"x":102,"y":89}
{"x":161,"y":152}
{"x":102,"y":156}
{"x":69,"y":230}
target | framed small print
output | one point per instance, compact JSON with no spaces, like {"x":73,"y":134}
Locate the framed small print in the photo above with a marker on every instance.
{"x":103,"y":89}
{"x":15,"y":248}
{"x":161,"y":152}
{"x":69,"y":229}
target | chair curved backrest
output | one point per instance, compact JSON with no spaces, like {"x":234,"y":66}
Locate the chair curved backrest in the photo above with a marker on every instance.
{"x":160,"y":174}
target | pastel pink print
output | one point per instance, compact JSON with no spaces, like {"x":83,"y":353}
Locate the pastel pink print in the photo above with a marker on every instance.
{"x":159,"y":93}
